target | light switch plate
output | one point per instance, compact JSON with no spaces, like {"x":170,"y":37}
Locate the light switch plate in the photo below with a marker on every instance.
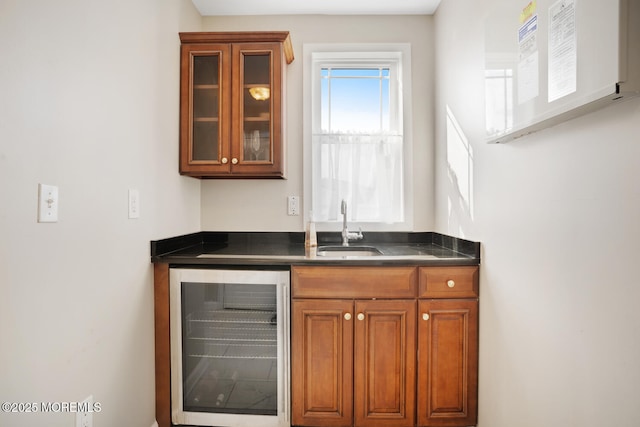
{"x":84,"y":415}
{"x":134,"y":203}
{"x":47,"y":203}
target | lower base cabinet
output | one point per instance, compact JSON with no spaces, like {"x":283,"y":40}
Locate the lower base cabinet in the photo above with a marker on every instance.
{"x":384,"y":346}
{"x":354,"y":363}
{"x":448,"y":361}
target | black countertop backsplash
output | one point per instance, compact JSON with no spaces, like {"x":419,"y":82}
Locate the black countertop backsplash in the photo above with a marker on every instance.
{"x":287,"y":248}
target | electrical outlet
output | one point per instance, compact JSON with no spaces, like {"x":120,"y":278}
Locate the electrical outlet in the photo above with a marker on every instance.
{"x":84,"y":416}
{"x":293,"y":205}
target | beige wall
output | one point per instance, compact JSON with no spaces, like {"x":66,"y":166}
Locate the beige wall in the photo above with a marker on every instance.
{"x":258,"y":205}
{"x":89,"y":103}
{"x":557,"y":213}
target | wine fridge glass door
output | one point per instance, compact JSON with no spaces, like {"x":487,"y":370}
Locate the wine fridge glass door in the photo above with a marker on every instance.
{"x":230,"y":361}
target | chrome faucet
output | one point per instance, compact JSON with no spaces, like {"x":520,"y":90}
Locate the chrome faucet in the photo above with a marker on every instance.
{"x":346,"y":235}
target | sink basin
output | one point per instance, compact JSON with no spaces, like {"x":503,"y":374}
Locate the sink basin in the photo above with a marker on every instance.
{"x":347,"y":251}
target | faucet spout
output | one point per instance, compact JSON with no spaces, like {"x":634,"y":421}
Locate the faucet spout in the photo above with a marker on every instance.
{"x":343,"y":211}
{"x":346,"y":235}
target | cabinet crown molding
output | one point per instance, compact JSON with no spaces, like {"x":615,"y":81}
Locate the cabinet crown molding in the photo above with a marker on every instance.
{"x":242,"y":37}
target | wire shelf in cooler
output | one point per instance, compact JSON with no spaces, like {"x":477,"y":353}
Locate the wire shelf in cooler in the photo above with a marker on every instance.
{"x":234,"y":351}
{"x":233,"y":316}
{"x":233,"y":334}
{"x":232,"y":325}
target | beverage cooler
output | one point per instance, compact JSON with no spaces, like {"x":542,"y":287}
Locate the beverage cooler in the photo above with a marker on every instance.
{"x":229,"y":347}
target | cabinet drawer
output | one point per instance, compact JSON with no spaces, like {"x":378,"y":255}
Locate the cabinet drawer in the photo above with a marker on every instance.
{"x":449,"y":282}
{"x":354,"y":282}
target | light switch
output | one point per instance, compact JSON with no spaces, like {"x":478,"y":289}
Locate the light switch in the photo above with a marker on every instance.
{"x":47,"y":203}
{"x":134,"y":203}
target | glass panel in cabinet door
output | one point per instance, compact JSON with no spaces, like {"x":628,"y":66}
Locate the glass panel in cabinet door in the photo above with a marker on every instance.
{"x":256,"y":107}
{"x":205,"y":129}
{"x":229,"y":348}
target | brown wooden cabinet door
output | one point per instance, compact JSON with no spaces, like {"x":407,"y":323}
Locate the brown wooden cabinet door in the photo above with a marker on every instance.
{"x":256,"y":133}
{"x":322,"y":363}
{"x":448,"y":362}
{"x":384,"y":363}
{"x":205,"y":96}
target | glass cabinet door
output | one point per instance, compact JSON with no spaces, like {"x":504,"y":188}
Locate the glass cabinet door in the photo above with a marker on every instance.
{"x":257,"y":131}
{"x":206,"y":108}
{"x":204,"y":101}
{"x":256,"y":107}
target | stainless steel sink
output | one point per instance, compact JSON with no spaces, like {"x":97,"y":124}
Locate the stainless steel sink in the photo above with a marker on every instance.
{"x":347,"y":251}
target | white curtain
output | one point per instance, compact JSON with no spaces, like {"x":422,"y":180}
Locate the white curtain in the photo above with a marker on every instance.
{"x":363,"y":169}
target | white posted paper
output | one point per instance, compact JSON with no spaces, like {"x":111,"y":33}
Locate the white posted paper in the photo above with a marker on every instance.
{"x":528,"y":60}
{"x":562,"y":49}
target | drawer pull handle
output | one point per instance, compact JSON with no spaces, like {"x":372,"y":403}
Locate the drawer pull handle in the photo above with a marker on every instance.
{"x":360,"y":316}
{"x":224,"y":160}
{"x":425,"y":316}
{"x":451,"y":283}
{"x":347,"y":316}
{"x":234,"y":161}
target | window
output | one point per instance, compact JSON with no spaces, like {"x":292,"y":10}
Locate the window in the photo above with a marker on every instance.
{"x":355,"y":144}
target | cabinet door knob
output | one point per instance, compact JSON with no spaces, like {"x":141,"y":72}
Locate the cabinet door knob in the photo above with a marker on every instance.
{"x":360,"y":316}
{"x":451,"y":283}
{"x":425,"y":316}
{"x":224,"y":160}
{"x":347,"y":316}
{"x":234,"y":161}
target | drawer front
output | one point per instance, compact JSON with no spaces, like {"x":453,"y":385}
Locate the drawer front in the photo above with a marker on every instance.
{"x":449,"y":282}
{"x":354,"y":282}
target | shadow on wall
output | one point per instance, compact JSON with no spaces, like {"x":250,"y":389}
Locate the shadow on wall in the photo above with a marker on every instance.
{"x":460,"y":172}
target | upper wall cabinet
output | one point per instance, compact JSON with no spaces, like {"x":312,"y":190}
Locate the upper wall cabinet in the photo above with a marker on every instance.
{"x":232,"y":104}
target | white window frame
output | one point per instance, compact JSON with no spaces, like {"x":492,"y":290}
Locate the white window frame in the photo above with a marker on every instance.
{"x":396,"y":56}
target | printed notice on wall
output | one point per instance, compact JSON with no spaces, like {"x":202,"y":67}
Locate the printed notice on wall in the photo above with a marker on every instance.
{"x":562,"y":49}
{"x":528,"y":75}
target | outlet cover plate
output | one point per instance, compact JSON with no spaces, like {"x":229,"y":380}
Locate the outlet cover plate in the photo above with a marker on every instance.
{"x":293,"y":205}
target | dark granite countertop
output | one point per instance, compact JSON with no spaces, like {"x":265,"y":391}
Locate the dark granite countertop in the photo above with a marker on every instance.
{"x":287,"y":248}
